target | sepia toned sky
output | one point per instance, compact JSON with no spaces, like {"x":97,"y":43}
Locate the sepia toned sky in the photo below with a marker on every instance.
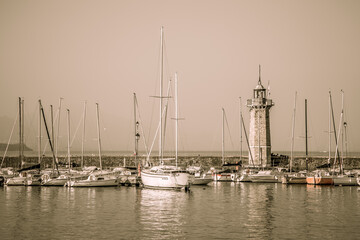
{"x":104,"y":51}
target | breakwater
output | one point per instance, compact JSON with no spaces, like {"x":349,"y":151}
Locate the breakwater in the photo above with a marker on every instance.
{"x":299,"y":163}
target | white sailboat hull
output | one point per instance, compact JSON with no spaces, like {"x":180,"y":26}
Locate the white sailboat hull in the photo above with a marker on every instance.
{"x":167,"y":180}
{"x":15,"y":181}
{"x":264,"y":177}
{"x":345,"y":181}
{"x":55,"y":182}
{"x":95,"y":183}
{"x":201,"y":181}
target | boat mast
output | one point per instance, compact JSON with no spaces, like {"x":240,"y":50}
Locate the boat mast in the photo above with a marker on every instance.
{"x":161,"y":90}
{"x":333,"y":120}
{"x":329,"y":129}
{"x":58,"y":132}
{"x":98,"y":128}
{"x":176,"y":120}
{"x":292,"y":135}
{"x":337,"y":141}
{"x":306,"y":136}
{"x":68,"y":144}
{"x":52,"y":131}
{"x":83,"y":137}
{"x":343,"y":128}
{"x":342,"y":132}
{"x":137,"y":135}
{"x":48,"y":135}
{"x":241,"y":137}
{"x":39,"y":140}
{"x":20,"y":133}
{"x":223,"y":138}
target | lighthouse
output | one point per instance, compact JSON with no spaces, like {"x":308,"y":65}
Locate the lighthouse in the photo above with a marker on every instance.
{"x":259,"y":134}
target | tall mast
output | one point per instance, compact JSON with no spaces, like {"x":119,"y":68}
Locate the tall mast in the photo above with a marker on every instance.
{"x":136,"y":134}
{"x":337,"y":141}
{"x":161,"y":90}
{"x":346,"y":141}
{"x":223,"y":138}
{"x":39,"y":140}
{"x":241,"y":140}
{"x":83,"y":137}
{"x":68,"y":144}
{"x":20,"y":132}
{"x":52,"y":130}
{"x":342,"y":132}
{"x":48,"y":135}
{"x":98,"y":128}
{"x":58,"y":130}
{"x":329,"y":129}
{"x":176,"y":119}
{"x":306,"y":136}
{"x":292,"y":135}
{"x":333,"y":120}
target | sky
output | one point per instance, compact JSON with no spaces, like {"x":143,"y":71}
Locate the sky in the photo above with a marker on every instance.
{"x":104,"y":51}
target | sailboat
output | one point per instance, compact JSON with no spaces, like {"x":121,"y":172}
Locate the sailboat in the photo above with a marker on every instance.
{"x":21,"y":178}
{"x":343,"y":179}
{"x":97,"y":178}
{"x":293,"y":178}
{"x":49,"y":179}
{"x":164,"y":176}
{"x":27,"y":176}
{"x":320,"y":177}
{"x":223,"y":175}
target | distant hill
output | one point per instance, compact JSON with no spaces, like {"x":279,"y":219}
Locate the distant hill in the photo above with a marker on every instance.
{"x":13,"y":147}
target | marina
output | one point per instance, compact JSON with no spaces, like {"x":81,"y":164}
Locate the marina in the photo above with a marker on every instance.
{"x":237,"y":120}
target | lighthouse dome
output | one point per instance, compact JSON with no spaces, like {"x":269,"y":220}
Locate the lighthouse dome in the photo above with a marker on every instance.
{"x":259,"y":86}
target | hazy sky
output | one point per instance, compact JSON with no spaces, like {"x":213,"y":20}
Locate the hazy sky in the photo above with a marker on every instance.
{"x":104,"y":51}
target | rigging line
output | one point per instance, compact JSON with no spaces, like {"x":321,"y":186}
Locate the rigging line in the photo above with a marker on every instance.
{"x":157,"y":130}
{"x":7,"y":146}
{"x":227,"y":124}
{"x":247,"y":141}
{"x":156,"y":133}
{"x":45,"y":148}
{"x":141,"y":127}
{"x":31,"y":124}
{"x":77,"y":128}
{"x":166,"y":110}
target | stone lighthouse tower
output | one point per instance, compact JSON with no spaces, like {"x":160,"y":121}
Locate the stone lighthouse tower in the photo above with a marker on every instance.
{"x":259,"y":134}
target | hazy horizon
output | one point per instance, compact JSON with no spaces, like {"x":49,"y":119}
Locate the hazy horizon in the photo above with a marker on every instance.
{"x":104,"y":51}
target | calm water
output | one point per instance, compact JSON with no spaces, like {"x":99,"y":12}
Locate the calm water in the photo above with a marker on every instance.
{"x":217,"y":211}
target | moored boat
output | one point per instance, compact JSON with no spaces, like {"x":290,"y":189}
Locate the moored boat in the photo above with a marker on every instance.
{"x":296,"y":178}
{"x":345,"y":180}
{"x":106,"y":180}
{"x":246,"y":175}
{"x":165,"y":177}
{"x":264,"y":177}
{"x":33,"y":179}
{"x":17,"y":180}
{"x":320,"y":178}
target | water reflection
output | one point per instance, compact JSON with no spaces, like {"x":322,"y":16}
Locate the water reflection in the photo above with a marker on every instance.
{"x":220,"y":210}
{"x":161,"y":213}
